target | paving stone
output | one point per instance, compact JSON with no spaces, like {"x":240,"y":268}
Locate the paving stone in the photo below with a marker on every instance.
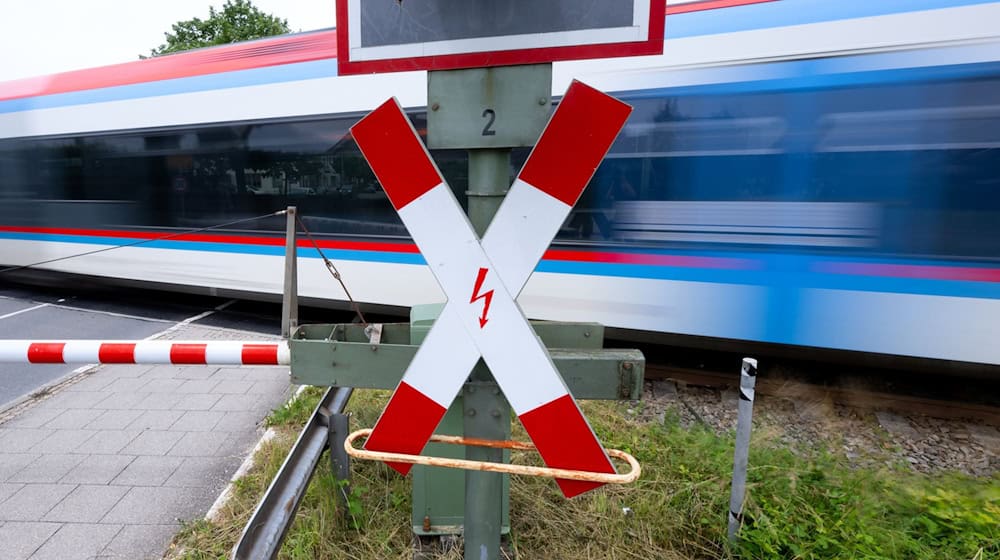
{"x":233,"y":387}
{"x":34,"y":501}
{"x":198,"y":421}
{"x":77,"y":541}
{"x":152,"y":442}
{"x":140,"y":542}
{"x":8,"y":489}
{"x":197,"y":386}
{"x":122,"y":401}
{"x":47,"y":469}
{"x":238,"y":403}
{"x":178,"y":372}
{"x":160,"y":401}
{"x":167,"y":385}
{"x":230,"y":374}
{"x":171,"y":504}
{"x":97,"y":381}
{"x":148,"y":471}
{"x":156,"y":420}
{"x":110,"y":441}
{"x":240,"y":421}
{"x":86,"y":504}
{"x":128,"y":385}
{"x":97,"y":469}
{"x":114,"y":419}
{"x":119,"y":371}
{"x":270,"y":387}
{"x":21,"y":539}
{"x":74,"y":418}
{"x":63,"y":441}
{"x":200,"y":444}
{"x":266,"y":374}
{"x":202,"y":472}
{"x":67,"y":399}
{"x":36,"y":417}
{"x":198,"y":402}
{"x":19,"y":440}
{"x":12,"y":463}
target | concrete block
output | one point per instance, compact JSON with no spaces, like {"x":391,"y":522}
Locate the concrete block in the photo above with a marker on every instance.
{"x":160,"y":401}
{"x":152,"y":442}
{"x":110,"y":441}
{"x":12,"y":463}
{"x":148,"y":471}
{"x":140,"y":542}
{"x":8,"y":490}
{"x":77,"y":541}
{"x":114,"y":419}
{"x":63,"y":441}
{"x":239,"y":403}
{"x":198,"y":421}
{"x":240,"y":421}
{"x":232,"y":387}
{"x":74,"y":419}
{"x":19,"y":440}
{"x":69,"y":399}
{"x":197,"y":386}
{"x":86,"y":504}
{"x":33,"y":501}
{"x":156,"y":420}
{"x":230,"y":374}
{"x":199,"y":444}
{"x":122,"y":401}
{"x":128,"y":385}
{"x":202,"y":472}
{"x":96,"y":381}
{"x":35,"y":417}
{"x":197,"y":402}
{"x":97,"y":469}
{"x":21,"y":539}
{"x":166,"y":385}
{"x":47,"y":469}
{"x":171,"y":504}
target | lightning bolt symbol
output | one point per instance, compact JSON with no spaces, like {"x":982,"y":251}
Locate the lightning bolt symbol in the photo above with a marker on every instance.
{"x":476,"y":296}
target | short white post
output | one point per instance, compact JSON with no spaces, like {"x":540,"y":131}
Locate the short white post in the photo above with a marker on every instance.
{"x":748,"y":378}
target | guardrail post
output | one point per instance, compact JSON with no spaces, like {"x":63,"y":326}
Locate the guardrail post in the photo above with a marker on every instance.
{"x":290,"y":295}
{"x":338,"y":431}
{"x":748,"y":378}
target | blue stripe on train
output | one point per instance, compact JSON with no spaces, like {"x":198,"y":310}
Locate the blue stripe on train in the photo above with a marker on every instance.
{"x":777,"y":269}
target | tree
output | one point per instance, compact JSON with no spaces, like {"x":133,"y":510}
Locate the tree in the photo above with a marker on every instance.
{"x":239,"y":20}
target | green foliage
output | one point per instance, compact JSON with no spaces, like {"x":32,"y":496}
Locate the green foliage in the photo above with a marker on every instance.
{"x":802,"y":504}
{"x":239,"y":20}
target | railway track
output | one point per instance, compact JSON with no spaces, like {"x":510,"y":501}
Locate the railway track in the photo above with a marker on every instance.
{"x":849,"y":390}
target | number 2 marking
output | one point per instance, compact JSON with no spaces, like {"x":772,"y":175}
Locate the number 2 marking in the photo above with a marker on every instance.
{"x":492,"y":116}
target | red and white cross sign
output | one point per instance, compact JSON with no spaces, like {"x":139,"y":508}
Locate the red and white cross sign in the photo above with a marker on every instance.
{"x":483,"y":278}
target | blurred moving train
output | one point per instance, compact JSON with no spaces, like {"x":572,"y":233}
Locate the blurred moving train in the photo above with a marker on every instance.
{"x":800,"y":172}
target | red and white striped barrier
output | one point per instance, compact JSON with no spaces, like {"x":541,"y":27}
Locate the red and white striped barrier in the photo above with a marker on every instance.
{"x":482,"y":279}
{"x":214,"y":352}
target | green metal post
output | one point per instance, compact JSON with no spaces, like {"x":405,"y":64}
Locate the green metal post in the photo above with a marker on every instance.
{"x":486,"y":412}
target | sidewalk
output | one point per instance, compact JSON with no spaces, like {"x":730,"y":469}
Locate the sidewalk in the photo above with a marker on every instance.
{"x":108,"y":466}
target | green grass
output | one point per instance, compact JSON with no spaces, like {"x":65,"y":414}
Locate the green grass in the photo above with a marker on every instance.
{"x":802,"y":504}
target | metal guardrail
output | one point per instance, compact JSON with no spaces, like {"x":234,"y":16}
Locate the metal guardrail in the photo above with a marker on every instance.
{"x":266,"y":529}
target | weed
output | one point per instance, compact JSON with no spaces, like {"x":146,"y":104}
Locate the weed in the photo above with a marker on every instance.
{"x":800,"y":505}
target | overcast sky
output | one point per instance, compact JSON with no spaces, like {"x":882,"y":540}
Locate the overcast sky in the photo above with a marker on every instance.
{"x":48,"y":36}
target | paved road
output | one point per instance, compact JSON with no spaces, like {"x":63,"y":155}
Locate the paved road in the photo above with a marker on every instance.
{"x":108,"y":463}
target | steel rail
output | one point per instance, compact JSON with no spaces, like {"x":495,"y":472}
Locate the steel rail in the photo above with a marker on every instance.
{"x":266,"y":529}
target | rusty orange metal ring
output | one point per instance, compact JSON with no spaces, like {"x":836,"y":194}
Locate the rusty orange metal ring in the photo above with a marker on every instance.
{"x":566,"y":474}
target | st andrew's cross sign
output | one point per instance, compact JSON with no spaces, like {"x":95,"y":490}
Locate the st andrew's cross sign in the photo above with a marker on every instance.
{"x":482,"y":279}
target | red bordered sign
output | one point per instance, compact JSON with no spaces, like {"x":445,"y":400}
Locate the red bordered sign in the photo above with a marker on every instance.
{"x":394,"y":36}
